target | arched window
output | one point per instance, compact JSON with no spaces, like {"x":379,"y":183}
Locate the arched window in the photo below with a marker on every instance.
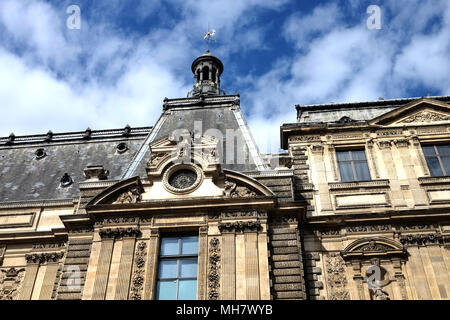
{"x":214,"y":75}
{"x":205,"y":73}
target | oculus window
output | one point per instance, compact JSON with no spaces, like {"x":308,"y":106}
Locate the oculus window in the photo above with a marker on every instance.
{"x":438,"y":159}
{"x":177,"y":272}
{"x":353,"y":165}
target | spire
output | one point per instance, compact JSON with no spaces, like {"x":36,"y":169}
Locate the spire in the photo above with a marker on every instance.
{"x":207,"y":70}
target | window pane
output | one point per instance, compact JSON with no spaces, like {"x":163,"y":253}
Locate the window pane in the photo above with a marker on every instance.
{"x":343,"y":155}
{"x":188,"y":268}
{"x":446,"y":164}
{"x":187,"y":290}
{"x":443,"y":149}
{"x":359,"y":155}
{"x":189,"y":245}
{"x":428,"y":150}
{"x":168,"y":269}
{"x":346,"y":171}
{"x":435,"y":168}
{"x":169,"y":246}
{"x":362,"y":171}
{"x":166,"y":290}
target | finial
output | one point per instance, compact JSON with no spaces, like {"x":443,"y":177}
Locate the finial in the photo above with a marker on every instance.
{"x":207,"y":37}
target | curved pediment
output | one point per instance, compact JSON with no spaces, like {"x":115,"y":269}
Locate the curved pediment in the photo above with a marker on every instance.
{"x":239,"y":185}
{"x":126,"y":191}
{"x":374,"y":246}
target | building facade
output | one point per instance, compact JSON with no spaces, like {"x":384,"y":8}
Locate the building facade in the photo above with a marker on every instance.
{"x":189,"y":208}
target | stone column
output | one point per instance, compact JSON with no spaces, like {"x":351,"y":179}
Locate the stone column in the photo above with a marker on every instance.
{"x":359,"y":279}
{"x":50,"y":275}
{"x":31,"y":271}
{"x":397,"y":195}
{"x":251,"y":264}
{"x":152,"y":265}
{"x":229,"y":265}
{"x":418,"y":194}
{"x":202,"y":263}
{"x":104,"y":264}
{"x":125,"y":266}
{"x":263,"y":255}
{"x":321,"y":182}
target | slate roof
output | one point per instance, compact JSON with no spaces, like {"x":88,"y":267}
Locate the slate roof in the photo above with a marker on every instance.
{"x":24,"y":177}
{"x":359,"y":111}
{"x":219,"y":112}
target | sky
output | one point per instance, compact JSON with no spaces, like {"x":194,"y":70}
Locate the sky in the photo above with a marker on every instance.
{"x":127,"y":56}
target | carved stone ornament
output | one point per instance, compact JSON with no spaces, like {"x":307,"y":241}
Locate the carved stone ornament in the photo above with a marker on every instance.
{"x":242,"y":214}
{"x":369,"y":228}
{"x":421,"y":239}
{"x":137,"y":283}
{"x":384,"y":144}
{"x":214,"y":270}
{"x":182,"y":178}
{"x":44,"y":257}
{"x":240,"y":226}
{"x":155,"y":158}
{"x":336,"y":279}
{"x":131,"y":196}
{"x":113,"y":233}
{"x":373,"y":246}
{"x":116,"y":220}
{"x":426,"y":116}
{"x":233,"y":190}
{"x":10,"y":283}
{"x":380,"y":294}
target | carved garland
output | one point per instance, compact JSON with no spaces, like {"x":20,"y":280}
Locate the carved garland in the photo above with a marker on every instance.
{"x":214,"y":269}
{"x":426,"y":116}
{"x":44,"y":257}
{"x":119,"y":232}
{"x":421,"y":239}
{"x":115,"y":220}
{"x":336,"y":280}
{"x":138,"y":275}
{"x":240,"y":226}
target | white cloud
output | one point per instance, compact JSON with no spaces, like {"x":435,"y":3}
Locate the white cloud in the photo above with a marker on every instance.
{"x":100,"y":76}
{"x":338,"y":62}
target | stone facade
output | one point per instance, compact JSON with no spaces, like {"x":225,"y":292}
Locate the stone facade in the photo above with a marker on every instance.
{"x":398,"y":220}
{"x":83,"y":215}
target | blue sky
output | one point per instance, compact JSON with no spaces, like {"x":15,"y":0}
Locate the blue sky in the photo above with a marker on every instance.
{"x":129,"y":55}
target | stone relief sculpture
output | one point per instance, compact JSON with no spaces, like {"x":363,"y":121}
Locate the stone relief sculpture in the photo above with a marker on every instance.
{"x":131,"y":196}
{"x":214,"y":269}
{"x":138,"y":275}
{"x":336,"y":279}
{"x":232,"y":190}
{"x":10,"y":283}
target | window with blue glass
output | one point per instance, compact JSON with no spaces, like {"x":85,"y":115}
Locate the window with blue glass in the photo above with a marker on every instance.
{"x":438,"y":159}
{"x":353,"y":165}
{"x":177,"y":272}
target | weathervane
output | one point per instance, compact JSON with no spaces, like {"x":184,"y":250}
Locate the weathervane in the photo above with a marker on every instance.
{"x":207,"y":36}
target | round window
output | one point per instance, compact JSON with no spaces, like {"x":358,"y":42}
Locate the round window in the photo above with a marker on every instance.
{"x":183,"y":179}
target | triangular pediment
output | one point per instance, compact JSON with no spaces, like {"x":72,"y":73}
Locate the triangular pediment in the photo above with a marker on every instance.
{"x":420,"y":112}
